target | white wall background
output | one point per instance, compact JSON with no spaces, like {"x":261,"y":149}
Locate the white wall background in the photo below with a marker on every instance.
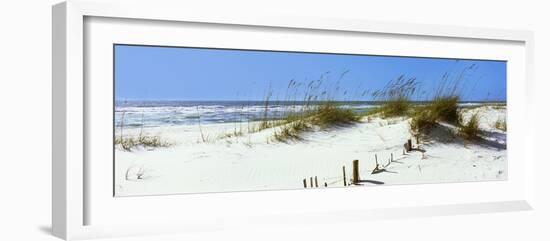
{"x":25,"y":119}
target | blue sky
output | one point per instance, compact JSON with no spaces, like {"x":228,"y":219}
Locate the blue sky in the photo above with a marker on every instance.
{"x":170,"y":73}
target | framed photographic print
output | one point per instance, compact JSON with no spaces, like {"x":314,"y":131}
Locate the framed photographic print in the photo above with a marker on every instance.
{"x":169,"y":114}
{"x":192,"y":120}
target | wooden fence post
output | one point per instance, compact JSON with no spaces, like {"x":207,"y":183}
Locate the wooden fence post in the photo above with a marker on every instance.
{"x":355,"y":171}
{"x":344,"y":171}
{"x":305,"y":183}
{"x":310,"y":181}
{"x":409,"y":145}
{"x":316,"y":184}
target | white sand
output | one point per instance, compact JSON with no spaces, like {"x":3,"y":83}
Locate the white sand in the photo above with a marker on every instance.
{"x":251,"y":162}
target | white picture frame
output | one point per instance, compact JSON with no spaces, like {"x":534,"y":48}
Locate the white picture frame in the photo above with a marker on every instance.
{"x":74,"y":200}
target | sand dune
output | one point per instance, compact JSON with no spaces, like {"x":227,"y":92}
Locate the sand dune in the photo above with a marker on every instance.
{"x":254,"y":161}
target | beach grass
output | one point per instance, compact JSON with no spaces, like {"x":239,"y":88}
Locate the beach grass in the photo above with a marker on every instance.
{"x":316,"y":108}
{"x":440,"y":109}
{"x":329,"y":115}
{"x":291,"y":131}
{"x":395,"y":97}
{"x":129,"y":143}
{"x":312,"y":105}
{"x":322,"y":116}
{"x":423,"y":121}
{"x":470,"y":130}
{"x":500,"y":124}
{"x":444,"y":108}
{"x":395,"y":107}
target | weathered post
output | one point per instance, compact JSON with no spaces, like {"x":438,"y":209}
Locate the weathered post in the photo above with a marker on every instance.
{"x":391,"y":159}
{"x":355,"y":179}
{"x":316,"y":184}
{"x":310,"y":181}
{"x":344,"y":171}
{"x":305,"y":183}
{"x":409,"y":145}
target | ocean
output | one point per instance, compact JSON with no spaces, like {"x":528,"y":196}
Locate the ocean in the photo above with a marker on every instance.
{"x":162,"y":113}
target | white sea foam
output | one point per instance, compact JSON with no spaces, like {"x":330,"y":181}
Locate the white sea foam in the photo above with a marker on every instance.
{"x":159,"y":113}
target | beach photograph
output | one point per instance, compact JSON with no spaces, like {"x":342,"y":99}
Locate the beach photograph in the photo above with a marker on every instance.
{"x":205,"y":120}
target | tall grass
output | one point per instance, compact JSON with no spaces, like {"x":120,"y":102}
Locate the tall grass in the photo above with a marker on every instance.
{"x":445,"y":108}
{"x":422,"y":122}
{"x":441,"y":108}
{"x":443,"y":105}
{"x":266,"y":123}
{"x":323,"y":116}
{"x":200,"y":126}
{"x":329,"y":114}
{"x":129,"y":142}
{"x":317,"y":104}
{"x":470,"y":130}
{"x":500,"y":124}
{"x":396,"y":96}
{"x":292,"y":130}
{"x":316,"y":108}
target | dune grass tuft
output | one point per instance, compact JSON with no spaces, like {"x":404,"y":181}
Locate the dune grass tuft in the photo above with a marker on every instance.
{"x":440,"y":109}
{"x":423,"y":121}
{"x":129,"y":143}
{"x":291,"y":131}
{"x":500,"y":124}
{"x":311,"y":104}
{"x":396,"y":97}
{"x":329,"y":114}
{"x":324,"y":116}
{"x":397,"y":107}
{"x":470,"y":130}
{"x":445,"y":108}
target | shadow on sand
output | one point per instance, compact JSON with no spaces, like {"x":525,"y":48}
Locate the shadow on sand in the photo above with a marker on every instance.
{"x":371,"y":181}
{"x":446,"y":134}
